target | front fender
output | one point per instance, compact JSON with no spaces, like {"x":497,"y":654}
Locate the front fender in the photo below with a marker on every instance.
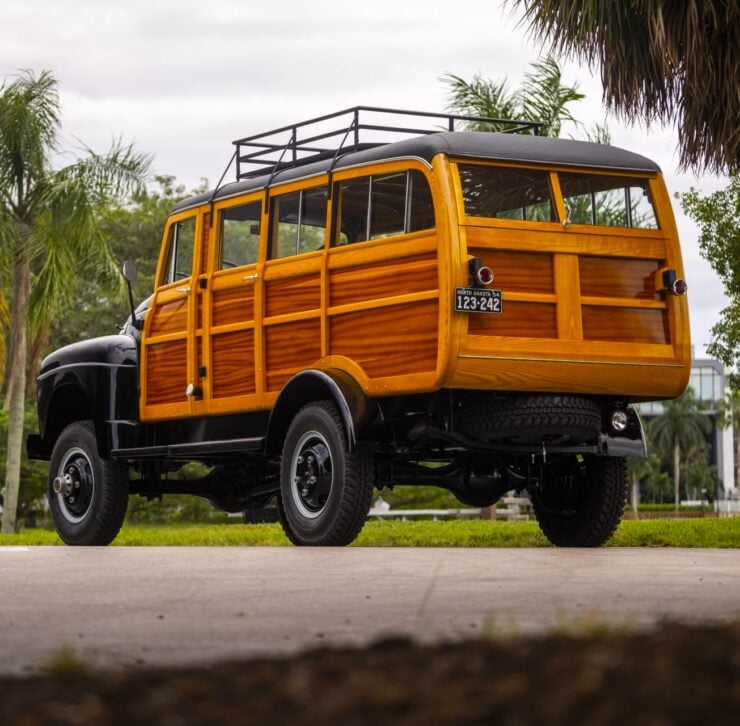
{"x":95,"y":380}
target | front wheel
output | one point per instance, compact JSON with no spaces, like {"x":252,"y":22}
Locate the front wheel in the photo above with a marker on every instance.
{"x":325,"y":490}
{"x":579,"y":503}
{"x":88,"y":495}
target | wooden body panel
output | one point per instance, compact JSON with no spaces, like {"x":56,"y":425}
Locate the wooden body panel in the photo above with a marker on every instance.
{"x":581,"y":308}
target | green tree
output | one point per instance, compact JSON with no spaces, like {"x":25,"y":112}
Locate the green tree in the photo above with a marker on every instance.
{"x":49,"y":234}
{"x":671,"y":62}
{"x":718,"y":217}
{"x":542,"y":97}
{"x":133,"y":228}
{"x":680,"y":428}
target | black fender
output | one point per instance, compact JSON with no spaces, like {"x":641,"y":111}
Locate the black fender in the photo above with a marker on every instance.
{"x":95,"y":380}
{"x":355,"y":408}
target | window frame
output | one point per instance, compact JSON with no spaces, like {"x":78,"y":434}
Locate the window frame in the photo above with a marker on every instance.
{"x":372,"y":178}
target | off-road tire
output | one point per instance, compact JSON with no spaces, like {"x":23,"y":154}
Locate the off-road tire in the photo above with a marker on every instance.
{"x":587,"y":513}
{"x":531,"y":419}
{"x":336,"y":521}
{"x":101,"y":498}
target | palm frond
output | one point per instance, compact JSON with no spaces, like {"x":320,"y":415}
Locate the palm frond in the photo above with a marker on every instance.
{"x":544,"y":98}
{"x":29,"y":124}
{"x":668,"y":62}
{"x":480,"y":97}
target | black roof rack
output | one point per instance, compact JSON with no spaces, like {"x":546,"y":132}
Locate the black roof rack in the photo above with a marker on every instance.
{"x":335,"y":134}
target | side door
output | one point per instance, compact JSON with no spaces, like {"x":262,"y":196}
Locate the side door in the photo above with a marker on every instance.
{"x":234,"y":294}
{"x":168,"y":364}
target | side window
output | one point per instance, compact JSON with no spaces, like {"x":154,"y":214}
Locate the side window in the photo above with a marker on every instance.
{"x":298,"y":222}
{"x":180,"y":251}
{"x":501,"y":193}
{"x":608,"y":201}
{"x":383,"y":206}
{"x":240,"y":235}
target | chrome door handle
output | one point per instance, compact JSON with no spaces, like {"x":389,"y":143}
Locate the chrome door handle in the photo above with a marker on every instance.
{"x":182,"y":289}
{"x":247,"y":278}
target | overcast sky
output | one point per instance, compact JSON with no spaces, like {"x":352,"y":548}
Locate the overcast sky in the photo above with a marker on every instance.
{"x":183,"y":79}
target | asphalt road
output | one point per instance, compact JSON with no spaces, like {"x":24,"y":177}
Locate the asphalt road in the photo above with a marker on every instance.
{"x":124,"y":606}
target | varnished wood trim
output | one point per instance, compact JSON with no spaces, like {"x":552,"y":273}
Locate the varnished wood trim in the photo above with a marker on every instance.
{"x":387,"y":248}
{"x":624,"y":302}
{"x":292,"y":317}
{"x":605,"y":245}
{"x":567,"y":288}
{"x":383,"y":302}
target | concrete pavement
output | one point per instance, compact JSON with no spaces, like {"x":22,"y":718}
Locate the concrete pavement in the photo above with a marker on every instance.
{"x":130,"y":605}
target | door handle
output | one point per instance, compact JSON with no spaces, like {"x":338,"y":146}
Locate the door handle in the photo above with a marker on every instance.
{"x":247,"y":278}
{"x":182,"y":289}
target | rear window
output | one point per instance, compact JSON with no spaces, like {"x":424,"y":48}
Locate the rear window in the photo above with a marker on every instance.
{"x":527,"y":195}
{"x":608,"y":201}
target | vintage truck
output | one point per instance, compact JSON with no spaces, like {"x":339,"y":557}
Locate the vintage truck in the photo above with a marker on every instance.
{"x":473,"y":310}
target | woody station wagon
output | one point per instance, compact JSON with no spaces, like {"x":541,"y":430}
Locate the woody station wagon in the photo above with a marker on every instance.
{"x":472,"y":310}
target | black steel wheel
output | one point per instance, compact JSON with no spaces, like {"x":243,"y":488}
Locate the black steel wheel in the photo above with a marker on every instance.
{"x":325,"y":490}
{"x":88,"y":495}
{"x":579,"y":503}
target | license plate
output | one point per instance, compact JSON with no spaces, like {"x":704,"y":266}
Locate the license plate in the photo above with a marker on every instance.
{"x":478,"y":300}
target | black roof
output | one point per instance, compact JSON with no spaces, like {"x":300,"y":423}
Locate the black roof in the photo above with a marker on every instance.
{"x":465,"y":144}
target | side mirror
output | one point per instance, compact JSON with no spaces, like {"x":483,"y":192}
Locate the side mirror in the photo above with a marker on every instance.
{"x":129,"y":274}
{"x":129,"y":270}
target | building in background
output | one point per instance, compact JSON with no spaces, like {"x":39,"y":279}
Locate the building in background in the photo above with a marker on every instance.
{"x":710,"y":381}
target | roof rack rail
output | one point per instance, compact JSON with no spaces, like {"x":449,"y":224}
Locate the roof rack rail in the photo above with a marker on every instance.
{"x":339,"y":133}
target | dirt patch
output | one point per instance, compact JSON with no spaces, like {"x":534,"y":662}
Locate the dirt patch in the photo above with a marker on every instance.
{"x":674,"y":675}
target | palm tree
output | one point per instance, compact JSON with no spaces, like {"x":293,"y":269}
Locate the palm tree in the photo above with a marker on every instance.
{"x":49,"y":236}
{"x":542,"y":98}
{"x":681,"y":427}
{"x":671,"y":62}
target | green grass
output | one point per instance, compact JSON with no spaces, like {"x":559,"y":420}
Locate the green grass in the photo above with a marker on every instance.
{"x":723,"y":533}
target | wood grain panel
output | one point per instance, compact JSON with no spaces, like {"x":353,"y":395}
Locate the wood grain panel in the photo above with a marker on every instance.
{"x":520,"y":319}
{"x":384,"y":279}
{"x":290,"y":347}
{"x":233,"y":364}
{"x":167,"y":372}
{"x":232,"y":305}
{"x":616,"y":243}
{"x":633,"y":325}
{"x":403,"y":338}
{"x":615,"y":277}
{"x":518,"y":271}
{"x":292,"y":295}
{"x":169,"y":317}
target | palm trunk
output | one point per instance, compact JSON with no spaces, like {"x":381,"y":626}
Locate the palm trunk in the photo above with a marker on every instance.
{"x":676,"y":473}
{"x":634,"y":496}
{"x":35,"y":354}
{"x":17,"y":390}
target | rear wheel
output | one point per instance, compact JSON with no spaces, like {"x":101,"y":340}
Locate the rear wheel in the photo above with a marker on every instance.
{"x":325,"y":490}
{"x":88,"y":495}
{"x":580,"y":503}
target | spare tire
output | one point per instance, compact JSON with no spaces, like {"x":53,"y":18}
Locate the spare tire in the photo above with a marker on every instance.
{"x":531,"y":419}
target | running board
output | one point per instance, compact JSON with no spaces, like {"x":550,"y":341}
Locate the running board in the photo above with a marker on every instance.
{"x":192,"y":450}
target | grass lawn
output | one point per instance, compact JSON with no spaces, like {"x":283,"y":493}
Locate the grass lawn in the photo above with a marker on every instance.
{"x":723,"y":533}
